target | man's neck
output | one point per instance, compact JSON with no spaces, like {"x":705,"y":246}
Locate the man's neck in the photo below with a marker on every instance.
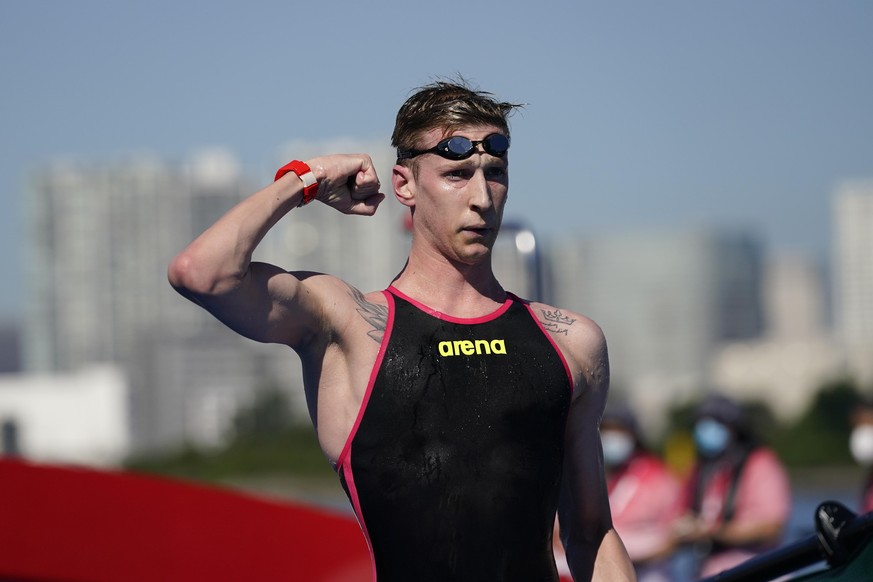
{"x":459,"y":290}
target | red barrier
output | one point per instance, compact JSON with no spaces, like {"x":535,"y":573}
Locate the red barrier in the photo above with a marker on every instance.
{"x":60,"y":524}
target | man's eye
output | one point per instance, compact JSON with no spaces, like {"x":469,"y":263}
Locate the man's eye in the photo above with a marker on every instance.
{"x":495,"y":173}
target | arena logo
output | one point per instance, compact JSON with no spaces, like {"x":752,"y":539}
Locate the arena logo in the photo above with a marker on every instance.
{"x":472,"y":347}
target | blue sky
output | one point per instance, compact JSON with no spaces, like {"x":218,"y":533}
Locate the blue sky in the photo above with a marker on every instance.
{"x":742,"y":114}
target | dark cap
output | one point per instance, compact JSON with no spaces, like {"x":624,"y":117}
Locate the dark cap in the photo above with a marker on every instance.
{"x":622,"y":416}
{"x":723,"y":409}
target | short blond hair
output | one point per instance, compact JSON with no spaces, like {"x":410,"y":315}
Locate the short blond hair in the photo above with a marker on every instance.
{"x":447,"y":105}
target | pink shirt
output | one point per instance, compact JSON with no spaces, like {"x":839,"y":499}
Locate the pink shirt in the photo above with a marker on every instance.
{"x":763,"y":495}
{"x":644,"y":501}
{"x":867,"y":496}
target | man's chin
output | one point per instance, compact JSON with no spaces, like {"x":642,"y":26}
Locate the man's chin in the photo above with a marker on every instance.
{"x":475,"y":254}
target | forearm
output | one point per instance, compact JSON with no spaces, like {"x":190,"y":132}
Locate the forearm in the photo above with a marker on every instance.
{"x":736,"y":533}
{"x":218,"y":260}
{"x":611,"y":563}
{"x":690,"y":529}
{"x":594,"y":550}
{"x":646,"y":542}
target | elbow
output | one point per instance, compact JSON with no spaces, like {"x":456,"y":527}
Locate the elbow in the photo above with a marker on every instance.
{"x":190,"y":278}
{"x":180,"y":273}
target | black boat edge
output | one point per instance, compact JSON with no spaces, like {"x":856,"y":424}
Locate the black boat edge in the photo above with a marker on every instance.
{"x":841,"y":538}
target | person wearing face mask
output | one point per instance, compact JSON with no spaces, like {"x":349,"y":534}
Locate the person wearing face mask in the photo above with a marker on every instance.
{"x":861,"y":447}
{"x":737,"y":499}
{"x":643,"y":494}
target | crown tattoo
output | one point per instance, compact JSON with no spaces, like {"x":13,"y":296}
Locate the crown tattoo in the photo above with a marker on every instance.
{"x":557,"y":317}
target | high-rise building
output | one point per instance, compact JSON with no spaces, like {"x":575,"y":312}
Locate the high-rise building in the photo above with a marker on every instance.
{"x":787,"y":366}
{"x":10,"y":347}
{"x":795,"y":301}
{"x":518,"y":263}
{"x":664,"y":301}
{"x":853,"y":215}
{"x":853,"y":277}
{"x":100,"y":237}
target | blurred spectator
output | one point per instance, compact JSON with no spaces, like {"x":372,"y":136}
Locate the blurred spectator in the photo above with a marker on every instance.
{"x":643,"y":494}
{"x":737,"y":499}
{"x":861,"y":447}
{"x":644,"y":497}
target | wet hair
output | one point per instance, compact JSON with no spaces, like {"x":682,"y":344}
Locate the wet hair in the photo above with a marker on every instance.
{"x":447,"y":105}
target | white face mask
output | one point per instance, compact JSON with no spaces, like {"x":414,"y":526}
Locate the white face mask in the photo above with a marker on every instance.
{"x":617,"y":447}
{"x":861,"y":444}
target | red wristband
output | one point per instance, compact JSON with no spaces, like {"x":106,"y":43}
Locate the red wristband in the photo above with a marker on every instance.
{"x":310,"y":184}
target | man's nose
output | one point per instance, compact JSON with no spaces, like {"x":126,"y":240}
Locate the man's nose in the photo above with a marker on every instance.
{"x":480,"y":191}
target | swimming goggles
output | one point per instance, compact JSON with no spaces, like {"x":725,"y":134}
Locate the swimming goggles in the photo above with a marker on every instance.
{"x":459,"y":147}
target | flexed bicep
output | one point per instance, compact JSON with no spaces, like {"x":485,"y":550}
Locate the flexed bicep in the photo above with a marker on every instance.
{"x":269,"y":305}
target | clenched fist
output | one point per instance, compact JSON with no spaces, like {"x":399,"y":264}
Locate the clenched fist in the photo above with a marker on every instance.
{"x":347,"y":182}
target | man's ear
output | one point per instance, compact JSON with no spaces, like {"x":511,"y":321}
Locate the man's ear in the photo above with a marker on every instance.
{"x":403,"y":181}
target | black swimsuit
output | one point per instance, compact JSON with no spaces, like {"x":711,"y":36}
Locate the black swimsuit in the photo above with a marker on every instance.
{"x":454,"y":464}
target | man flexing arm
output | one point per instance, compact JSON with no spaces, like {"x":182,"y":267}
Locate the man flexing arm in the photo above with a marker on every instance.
{"x":257,"y":300}
{"x":452,"y":173}
{"x":306,"y":311}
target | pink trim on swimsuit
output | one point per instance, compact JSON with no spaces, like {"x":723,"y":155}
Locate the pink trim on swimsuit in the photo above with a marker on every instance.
{"x":344,"y":461}
{"x":451,"y":318}
{"x":348,"y":474}
{"x":555,"y":346}
{"x":389,"y":325}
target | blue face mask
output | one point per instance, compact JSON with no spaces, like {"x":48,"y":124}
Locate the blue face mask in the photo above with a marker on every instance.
{"x":711,"y":437}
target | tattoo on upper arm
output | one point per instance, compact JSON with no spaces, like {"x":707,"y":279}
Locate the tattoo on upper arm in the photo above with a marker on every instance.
{"x":375,"y":315}
{"x":555,"y":321}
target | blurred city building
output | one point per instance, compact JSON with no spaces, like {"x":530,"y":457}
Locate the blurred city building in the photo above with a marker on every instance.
{"x":99,"y":238}
{"x":796,"y":355}
{"x":795,"y":298}
{"x":71,"y":417}
{"x":518,"y":261}
{"x":853,"y":281}
{"x":10,"y":347}
{"x":665,"y":301}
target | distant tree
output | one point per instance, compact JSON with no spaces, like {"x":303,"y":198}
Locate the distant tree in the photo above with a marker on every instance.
{"x":267,"y":417}
{"x":681,"y":416}
{"x":265,"y":441}
{"x":821,"y":435}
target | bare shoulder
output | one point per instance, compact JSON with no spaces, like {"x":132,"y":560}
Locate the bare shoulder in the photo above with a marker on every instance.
{"x":581,"y":341}
{"x":323,"y":304}
{"x":342,"y":306}
{"x":577,"y":334}
{"x":372,"y":310}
